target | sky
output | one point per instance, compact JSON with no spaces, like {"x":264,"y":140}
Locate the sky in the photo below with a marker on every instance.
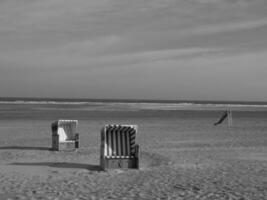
{"x":141,"y":49}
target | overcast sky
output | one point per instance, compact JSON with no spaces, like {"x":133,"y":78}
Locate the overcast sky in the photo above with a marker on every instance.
{"x":141,"y":49}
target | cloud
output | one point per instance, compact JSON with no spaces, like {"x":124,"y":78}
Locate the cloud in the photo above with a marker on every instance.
{"x":73,"y":57}
{"x":227,"y":27}
{"x":90,"y":46}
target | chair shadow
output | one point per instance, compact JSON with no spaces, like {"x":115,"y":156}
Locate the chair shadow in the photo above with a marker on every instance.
{"x":26,"y":148}
{"x":61,"y":165}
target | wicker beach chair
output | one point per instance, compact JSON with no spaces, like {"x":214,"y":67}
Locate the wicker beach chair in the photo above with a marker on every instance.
{"x":64,"y":135}
{"x":118,"y":148}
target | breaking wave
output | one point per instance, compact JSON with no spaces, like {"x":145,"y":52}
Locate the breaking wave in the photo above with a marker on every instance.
{"x":141,"y":105}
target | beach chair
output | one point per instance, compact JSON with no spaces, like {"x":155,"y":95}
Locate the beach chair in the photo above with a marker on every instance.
{"x":118,"y":148}
{"x":64,"y":135}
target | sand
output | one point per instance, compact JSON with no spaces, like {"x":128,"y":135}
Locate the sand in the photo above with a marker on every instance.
{"x":182,"y":157}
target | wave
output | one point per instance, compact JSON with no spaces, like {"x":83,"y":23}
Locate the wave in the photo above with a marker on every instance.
{"x":196,"y":106}
{"x":43,"y":102}
{"x":140,"y":105}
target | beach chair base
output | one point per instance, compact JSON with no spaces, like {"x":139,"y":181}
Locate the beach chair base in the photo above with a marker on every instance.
{"x":123,"y":162}
{"x":66,"y":145}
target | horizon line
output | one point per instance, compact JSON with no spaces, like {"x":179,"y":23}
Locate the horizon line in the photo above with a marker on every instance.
{"x":125,"y":100}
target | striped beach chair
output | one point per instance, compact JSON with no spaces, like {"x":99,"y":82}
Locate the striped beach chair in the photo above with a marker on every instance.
{"x":118,"y":148}
{"x":64,"y":135}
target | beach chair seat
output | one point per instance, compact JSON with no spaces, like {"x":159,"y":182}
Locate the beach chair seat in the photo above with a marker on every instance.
{"x":64,"y":135}
{"x":118,"y":148}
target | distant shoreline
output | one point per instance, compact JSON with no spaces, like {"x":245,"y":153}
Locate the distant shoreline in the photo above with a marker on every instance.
{"x":25,"y":100}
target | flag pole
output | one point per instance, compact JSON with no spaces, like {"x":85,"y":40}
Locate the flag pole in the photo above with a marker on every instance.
{"x":229,"y":117}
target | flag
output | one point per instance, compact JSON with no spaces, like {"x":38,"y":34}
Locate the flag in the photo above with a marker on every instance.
{"x":224,"y":116}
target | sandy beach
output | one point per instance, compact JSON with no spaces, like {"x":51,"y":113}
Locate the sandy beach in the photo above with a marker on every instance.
{"x":183,"y":156}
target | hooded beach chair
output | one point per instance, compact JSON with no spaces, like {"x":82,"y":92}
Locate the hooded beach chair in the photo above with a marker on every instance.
{"x":64,"y":135}
{"x":118,"y":148}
